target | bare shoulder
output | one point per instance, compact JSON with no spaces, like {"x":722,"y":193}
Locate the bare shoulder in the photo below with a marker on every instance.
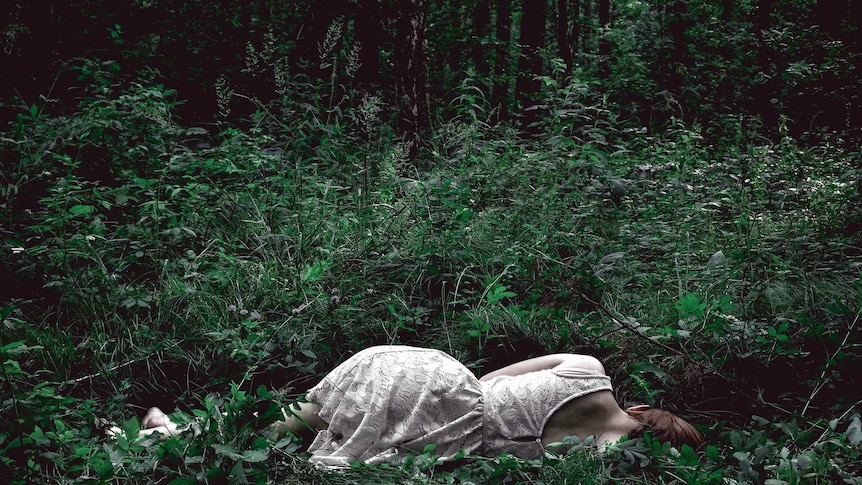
{"x":584,"y":363}
{"x":581,"y":362}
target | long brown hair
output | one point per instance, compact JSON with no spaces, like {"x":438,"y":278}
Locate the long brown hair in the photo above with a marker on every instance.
{"x":666,"y":426}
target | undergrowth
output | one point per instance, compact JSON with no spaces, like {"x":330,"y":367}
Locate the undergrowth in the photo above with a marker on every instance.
{"x":220,"y":270}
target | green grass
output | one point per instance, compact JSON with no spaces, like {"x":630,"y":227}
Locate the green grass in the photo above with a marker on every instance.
{"x":225,"y":269}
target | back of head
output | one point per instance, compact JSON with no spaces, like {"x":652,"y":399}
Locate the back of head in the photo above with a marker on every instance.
{"x":666,"y":426}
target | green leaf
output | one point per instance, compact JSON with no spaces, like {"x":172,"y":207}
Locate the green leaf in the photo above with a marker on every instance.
{"x":7,"y":349}
{"x":255,"y":456}
{"x":37,"y":434}
{"x":742,"y":456}
{"x":498,"y":293}
{"x":263,"y":392}
{"x":315,"y":272}
{"x":839,"y":308}
{"x":228,"y":451}
{"x":131,"y":428}
{"x":101,"y":462}
{"x":690,"y":306}
{"x":464,"y":214}
{"x":5,"y":313}
{"x":725,"y":305}
{"x":12,"y":368}
{"x":712,"y":453}
{"x":214,"y":474}
{"x":77,"y":210}
{"x":648,"y":367}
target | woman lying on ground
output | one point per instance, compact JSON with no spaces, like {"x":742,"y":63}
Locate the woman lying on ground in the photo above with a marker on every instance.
{"x":386,"y":401}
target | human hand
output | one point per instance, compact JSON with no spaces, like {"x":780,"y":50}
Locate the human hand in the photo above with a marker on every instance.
{"x":154,"y":422}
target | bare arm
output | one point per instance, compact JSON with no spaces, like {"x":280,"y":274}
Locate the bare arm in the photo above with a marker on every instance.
{"x":553,"y":361}
{"x":298,"y":417}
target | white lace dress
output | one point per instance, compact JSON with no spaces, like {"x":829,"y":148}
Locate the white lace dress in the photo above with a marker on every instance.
{"x":387,"y":401}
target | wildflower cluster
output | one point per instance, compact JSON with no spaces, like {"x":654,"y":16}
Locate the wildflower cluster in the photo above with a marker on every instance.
{"x":251,"y":315}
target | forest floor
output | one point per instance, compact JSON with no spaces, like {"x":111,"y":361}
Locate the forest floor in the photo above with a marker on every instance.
{"x":219,"y":271}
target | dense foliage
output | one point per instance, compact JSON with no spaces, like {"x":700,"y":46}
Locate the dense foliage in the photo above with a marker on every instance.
{"x":206,"y":207}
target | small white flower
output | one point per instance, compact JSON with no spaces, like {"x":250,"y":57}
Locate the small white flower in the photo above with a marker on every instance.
{"x":17,"y":250}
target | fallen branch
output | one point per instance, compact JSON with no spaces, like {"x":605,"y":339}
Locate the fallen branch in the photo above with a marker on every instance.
{"x":652,"y":341}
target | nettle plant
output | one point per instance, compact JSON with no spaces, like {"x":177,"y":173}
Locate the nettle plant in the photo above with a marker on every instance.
{"x":798,"y":451}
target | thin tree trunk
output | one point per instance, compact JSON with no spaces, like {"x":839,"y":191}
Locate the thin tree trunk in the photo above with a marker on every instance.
{"x":481,"y":29}
{"x":532,"y":40}
{"x":727,"y":10}
{"x":368,"y":31}
{"x":604,"y":44}
{"x":453,"y":51}
{"x":576,"y":26}
{"x":763,"y":24}
{"x":764,"y":14}
{"x":563,"y":44}
{"x":830,"y":14}
{"x":410,"y":69}
{"x":855,"y":27}
{"x":678,"y":25}
{"x":502,"y":63}
{"x":761,"y":93}
{"x":587,"y":26}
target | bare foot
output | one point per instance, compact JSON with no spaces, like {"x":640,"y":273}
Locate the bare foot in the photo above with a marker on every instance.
{"x":154,"y":418}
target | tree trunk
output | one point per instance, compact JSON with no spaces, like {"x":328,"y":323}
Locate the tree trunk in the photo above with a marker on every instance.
{"x":532,"y":40}
{"x":830,"y":14}
{"x":855,"y":27}
{"x":763,"y":23}
{"x":587,"y":30}
{"x":410,"y":69}
{"x":502,"y":63}
{"x":454,"y":50}
{"x":576,"y":26}
{"x":727,"y":10}
{"x":678,"y":25}
{"x":604,"y":44}
{"x":764,"y":14}
{"x":368,"y":32}
{"x":563,"y":44}
{"x":764,"y":91}
{"x":481,"y":29}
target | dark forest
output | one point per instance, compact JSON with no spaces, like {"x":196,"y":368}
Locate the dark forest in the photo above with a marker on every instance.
{"x":205,"y":206}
